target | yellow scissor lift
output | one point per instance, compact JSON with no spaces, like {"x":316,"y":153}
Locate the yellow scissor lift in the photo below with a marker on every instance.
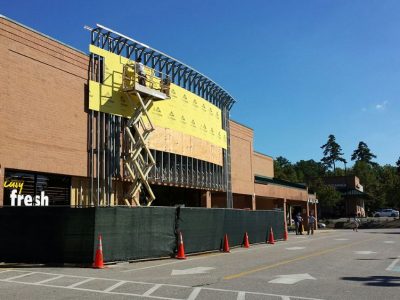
{"x":139,"y":127}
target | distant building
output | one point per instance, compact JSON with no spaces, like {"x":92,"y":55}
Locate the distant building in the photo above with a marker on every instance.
{"x":353,"y":195}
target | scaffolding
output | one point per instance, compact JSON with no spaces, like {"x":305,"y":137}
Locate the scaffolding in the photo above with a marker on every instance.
{"x":142,"y":90}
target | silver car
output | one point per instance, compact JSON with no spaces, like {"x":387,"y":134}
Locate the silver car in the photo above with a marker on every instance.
{"x":387,"y":212}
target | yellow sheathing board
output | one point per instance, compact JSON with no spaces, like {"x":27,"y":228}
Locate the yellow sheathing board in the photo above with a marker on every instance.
{"x":185,"y":112}
{"x":164,"y":139}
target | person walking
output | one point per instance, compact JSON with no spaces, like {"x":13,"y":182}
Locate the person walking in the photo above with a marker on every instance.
{"x":298,"y":221}
{"x":356,"y":223}
{"x":311,"y":224}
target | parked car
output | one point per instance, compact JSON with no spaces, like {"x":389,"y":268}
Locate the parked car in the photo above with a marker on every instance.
{"x":386,"y":212}
{"x":321,"y":225}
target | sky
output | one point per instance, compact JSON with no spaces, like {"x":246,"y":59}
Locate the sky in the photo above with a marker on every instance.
{"x":299,"y":70}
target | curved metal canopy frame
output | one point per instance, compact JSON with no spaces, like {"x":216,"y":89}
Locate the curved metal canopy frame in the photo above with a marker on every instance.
{"x":180,"y":73}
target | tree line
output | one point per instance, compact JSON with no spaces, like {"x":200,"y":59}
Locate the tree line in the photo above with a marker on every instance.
{"x":380,"y":182}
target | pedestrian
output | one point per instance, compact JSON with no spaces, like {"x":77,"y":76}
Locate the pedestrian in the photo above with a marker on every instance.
{"x":298,"y":220}
{"x":311,"y":224}
{"x":141,"y":73}
{"x":356,"y":223}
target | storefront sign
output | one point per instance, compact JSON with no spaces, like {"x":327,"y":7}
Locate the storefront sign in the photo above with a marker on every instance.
{"x":14,"y":184}
{"x":18,"y":199}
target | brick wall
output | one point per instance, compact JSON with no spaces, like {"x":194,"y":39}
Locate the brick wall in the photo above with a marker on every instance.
{"x":43,"y":120}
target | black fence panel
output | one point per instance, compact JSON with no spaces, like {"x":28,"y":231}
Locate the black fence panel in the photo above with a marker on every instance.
{"x":135,"y":233}
{"x":69,"y":235}
{"x":46,"y":234}
{"x":202,"y":228}
{"x":259,"y":224}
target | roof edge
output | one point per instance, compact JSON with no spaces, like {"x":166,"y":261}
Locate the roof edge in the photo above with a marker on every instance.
{"x":41,"y":33}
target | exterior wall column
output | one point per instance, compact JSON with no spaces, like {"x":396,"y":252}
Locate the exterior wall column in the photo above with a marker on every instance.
{"x":253,"y":202}
{"x":206,"y":199}
{"x":316,"y":215}
{"x":284,"y":211}
{"x":307,"y":215}
{"x":1,"y":185}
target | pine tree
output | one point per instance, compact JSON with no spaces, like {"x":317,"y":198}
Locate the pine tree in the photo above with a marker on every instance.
{"x":398,"y":166}
{"x":332,"y":153}
{"x":363,"y":153}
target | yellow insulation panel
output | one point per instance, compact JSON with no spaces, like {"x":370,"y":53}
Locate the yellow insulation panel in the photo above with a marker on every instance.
{"x":184,"y":112}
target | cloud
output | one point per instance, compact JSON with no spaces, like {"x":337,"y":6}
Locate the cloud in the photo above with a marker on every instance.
{"x":381,"y":106}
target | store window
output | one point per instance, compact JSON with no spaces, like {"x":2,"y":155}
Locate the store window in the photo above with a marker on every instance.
{"x":35,"y":189}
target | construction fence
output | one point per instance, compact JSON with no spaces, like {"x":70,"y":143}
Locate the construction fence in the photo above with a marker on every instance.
{"x":69,"y":235}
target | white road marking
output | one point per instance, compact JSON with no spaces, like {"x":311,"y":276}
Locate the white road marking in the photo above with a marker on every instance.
{"x":393,"y":265}
{"x":152,"y":290}
{"x":4,"y":271}
{"x":113,"y":287}
{"x":155,"y":266}
{"x":19,"y":276}
{"x":259,"y":246}
{"x":80,"y":282}
{"x":291,"y":278}
{"x":241,"y":296}
{"x":341,"y":239}
{"x":295,"y":248}
{"x":389,"y":242}
{"x":193,"y":295}
{"x":190,"y":271}
{"x":50,"y":279}
{"x":364,"y":252}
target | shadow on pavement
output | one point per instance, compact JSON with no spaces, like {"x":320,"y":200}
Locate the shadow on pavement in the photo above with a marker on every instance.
{"x":384,"y":281}
{"x":380,"y":232}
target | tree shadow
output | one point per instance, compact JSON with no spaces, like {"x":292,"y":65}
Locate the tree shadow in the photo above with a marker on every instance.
{"x":378,"y":232}
{"x":383,"y":281}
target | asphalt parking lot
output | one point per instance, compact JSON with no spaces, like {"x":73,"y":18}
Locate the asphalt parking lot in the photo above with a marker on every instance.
{"x":339,"y":264}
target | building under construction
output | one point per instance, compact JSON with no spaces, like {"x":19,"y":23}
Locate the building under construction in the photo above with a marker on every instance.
{"x":124,"y":124}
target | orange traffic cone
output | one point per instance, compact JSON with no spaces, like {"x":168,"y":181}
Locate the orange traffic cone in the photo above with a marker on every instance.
{"x":181,"y":248}
{"x":246,"y":243}
{"x":226,"y":244}
{"x":98,"y":260}
{"x":271,"y":237}
{"x":285,"y":233}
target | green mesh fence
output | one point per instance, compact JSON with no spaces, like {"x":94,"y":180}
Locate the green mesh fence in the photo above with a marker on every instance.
{"x":135,"y":233}
{"x":63,"y":235}
{"x":204,"y":229}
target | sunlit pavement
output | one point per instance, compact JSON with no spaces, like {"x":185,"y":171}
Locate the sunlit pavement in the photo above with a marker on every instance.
{"x":331,"y":264}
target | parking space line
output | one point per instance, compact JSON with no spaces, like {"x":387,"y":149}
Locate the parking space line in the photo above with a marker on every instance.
{"x":113,"y":287}
{"x":50,"y":279}
{"x":193,"y":295}
{"x":152,"y":290}
{"x":151,"y":267}
{"x":79,"y":283}
{"x":262,"y":294}
{"x":393,"y":264}
{"x":20,"y":276}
